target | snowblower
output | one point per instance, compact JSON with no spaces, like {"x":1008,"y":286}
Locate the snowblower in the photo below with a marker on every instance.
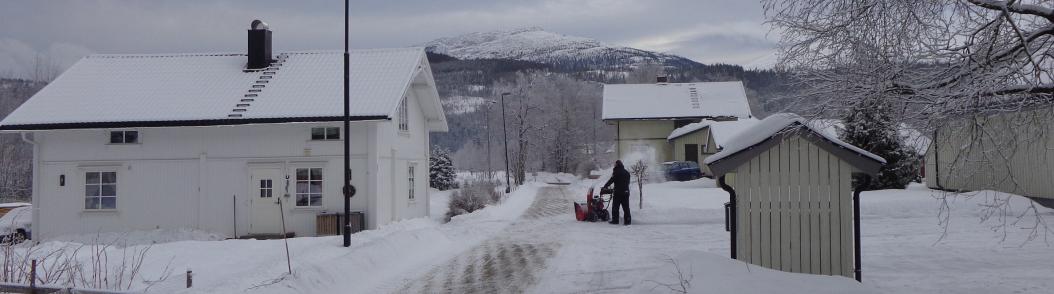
{"x":595,"y":208}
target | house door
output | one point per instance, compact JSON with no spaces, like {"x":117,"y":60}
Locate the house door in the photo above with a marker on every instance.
{"x":691,"y":152}
{"x":266,"y":188}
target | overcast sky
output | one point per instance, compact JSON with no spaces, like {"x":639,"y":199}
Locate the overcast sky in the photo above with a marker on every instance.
{"x":708,"y":31}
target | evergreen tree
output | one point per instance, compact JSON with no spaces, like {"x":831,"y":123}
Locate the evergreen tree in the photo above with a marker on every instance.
{"x":441,"y":170}
{"x":871,"y":127}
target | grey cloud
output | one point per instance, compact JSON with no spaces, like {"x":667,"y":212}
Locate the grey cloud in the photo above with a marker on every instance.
{"x":123,"y":26}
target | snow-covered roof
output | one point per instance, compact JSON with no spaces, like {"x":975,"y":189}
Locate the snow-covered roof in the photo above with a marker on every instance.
{"x":675,"y":100}
{"x":722,"y":131}
{"x":14,"y":204}
{"x":209,"y":89}
{"x":774,"y":125}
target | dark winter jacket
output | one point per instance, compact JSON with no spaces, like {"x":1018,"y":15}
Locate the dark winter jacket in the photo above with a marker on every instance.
{"x":620,"y":177}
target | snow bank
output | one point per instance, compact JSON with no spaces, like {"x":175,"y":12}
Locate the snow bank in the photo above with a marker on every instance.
{"x":141,"y":237}
{"x":438,"y":203}
{"x":712,"y":273}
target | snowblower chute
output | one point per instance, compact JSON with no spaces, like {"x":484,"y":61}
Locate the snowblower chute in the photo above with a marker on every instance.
{"x":594,"y":209}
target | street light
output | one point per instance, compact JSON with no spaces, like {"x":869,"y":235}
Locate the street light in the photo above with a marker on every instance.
{"x":508,"y":185}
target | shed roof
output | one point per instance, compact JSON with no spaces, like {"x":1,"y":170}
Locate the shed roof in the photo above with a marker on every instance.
{"x":757,"y":138}
{"x":675,"y":100}
{"x":722,"y":131}
{"x":137,"y":90}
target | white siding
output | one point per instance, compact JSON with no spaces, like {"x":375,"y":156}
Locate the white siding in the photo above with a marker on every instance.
{"x":159,"y":179}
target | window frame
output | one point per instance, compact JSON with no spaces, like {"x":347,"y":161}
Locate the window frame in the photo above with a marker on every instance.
{"x":100,"y":185}
{"x":321,"y":184}
{"x":124,"y":137}
{"x":404,"y":115}
{"x":326,"y":134}
{"x":269,"y":189}
{"x":411,"y":177}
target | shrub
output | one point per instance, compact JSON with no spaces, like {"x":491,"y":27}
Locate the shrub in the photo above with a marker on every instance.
{"x":473,"y":195}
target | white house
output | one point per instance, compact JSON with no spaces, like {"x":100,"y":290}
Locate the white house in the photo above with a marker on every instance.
{"x":213,"y":141}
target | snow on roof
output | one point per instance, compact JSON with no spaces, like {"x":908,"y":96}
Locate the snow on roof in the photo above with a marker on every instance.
{"x":14,"y":204}
{"x":675,"y":100}
{"x":205,"y":87}
{"x":773,"y":125}
{"x":722,"y":131}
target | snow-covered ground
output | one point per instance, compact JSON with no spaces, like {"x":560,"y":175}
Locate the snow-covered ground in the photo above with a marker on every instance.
{"x":531,"y":243}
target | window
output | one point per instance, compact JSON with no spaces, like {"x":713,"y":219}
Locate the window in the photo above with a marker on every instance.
{"x":266,"y":188}
{"x":124,"y":137}
{"x":325,"y":133}
{"x":100,"y":190}
{"x":410,"y":177}
{"x":309,"y":186}
{"x":404,"y":117}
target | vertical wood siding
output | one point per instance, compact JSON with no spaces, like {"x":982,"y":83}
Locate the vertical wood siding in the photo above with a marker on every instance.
{"x":1007,"y":152}
{"x":795,"y":211}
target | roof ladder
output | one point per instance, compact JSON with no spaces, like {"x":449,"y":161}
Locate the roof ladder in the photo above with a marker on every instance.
{"x":258,"y":85}
{"x":693,"y":97}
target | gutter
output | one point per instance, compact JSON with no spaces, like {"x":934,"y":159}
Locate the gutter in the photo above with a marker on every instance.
{"x":936,"y":160}
{"x":730,"y":212}
{"x":184,"y":123}
{"x":34,"y":186}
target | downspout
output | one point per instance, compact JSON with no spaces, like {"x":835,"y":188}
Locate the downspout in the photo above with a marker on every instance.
{"x":730,"y":212}
{"x":34,"y":185}
{"x":936,"y":160}
{"x":864,"y":180}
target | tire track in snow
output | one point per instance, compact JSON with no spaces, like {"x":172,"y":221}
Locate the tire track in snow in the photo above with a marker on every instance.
{"x":507,"y":263}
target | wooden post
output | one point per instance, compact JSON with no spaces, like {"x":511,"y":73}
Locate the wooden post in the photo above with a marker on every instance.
{"x":190,"y":278}
{"x":33,"y":277}
{"x":285,"y":235}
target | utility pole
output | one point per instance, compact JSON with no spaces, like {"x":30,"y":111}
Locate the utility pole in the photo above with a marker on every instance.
{"x":349,"y":190}
{"x":504,"y":130}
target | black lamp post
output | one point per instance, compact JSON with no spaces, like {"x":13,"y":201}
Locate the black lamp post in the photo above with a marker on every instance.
{"x":508,"y":185}
{"x":348,"y":190}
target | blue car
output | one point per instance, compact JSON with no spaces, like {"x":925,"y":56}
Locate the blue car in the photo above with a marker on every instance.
{"x":682,"y":170}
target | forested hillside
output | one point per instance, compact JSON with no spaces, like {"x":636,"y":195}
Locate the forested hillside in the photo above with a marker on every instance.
{"x":472,"y":70}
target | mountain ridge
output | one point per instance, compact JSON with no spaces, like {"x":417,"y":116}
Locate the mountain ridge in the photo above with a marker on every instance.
{"x":538,"y":45}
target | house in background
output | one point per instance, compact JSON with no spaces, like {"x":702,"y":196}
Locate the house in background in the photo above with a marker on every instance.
{"x":215,"y":141}
{"x":646,"y":114}
{"x":697,"y":141}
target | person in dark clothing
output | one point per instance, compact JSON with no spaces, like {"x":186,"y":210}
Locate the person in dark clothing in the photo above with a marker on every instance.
{"x":620,"y":195}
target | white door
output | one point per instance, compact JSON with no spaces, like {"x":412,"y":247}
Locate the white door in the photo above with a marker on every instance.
{"x":267,"y":187}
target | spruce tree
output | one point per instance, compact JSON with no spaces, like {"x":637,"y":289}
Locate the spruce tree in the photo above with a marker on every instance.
{"x":441,"y":169}
{"x":871,"y":127}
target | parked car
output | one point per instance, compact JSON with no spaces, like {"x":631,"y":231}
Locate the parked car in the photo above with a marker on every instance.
{"x":682,"y":170}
